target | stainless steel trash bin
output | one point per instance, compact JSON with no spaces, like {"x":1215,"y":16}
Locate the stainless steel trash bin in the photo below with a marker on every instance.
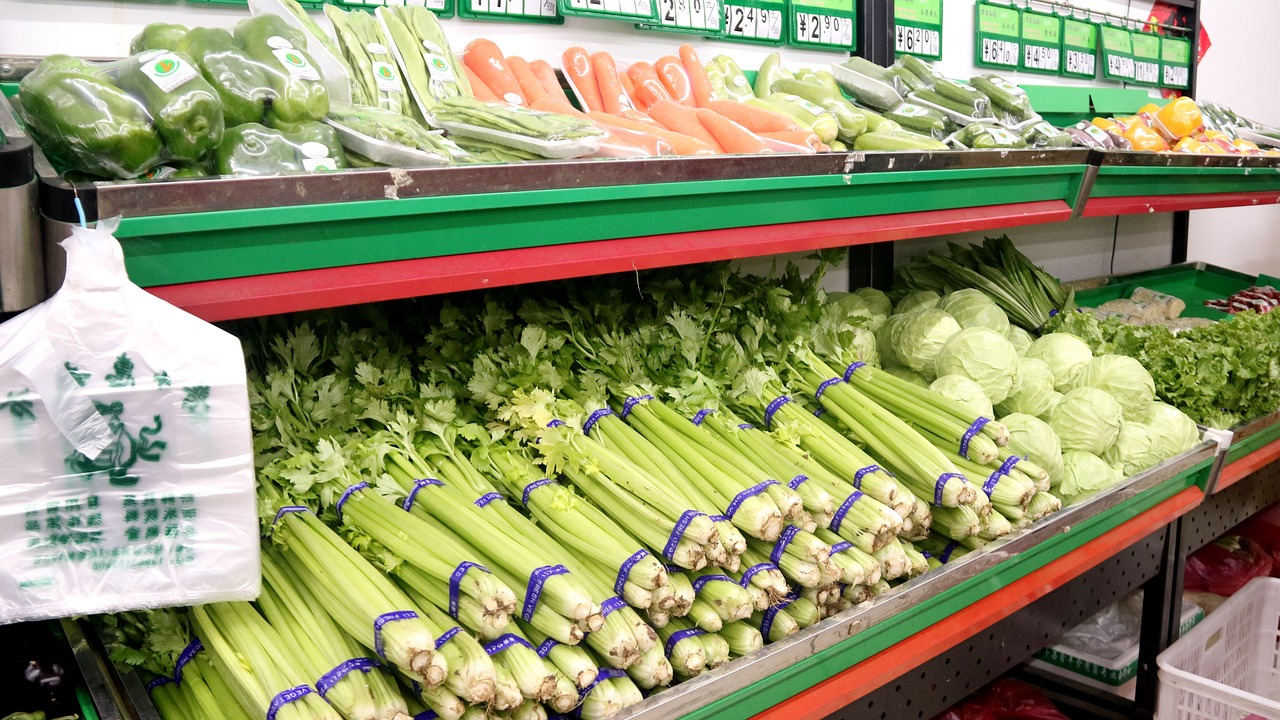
{"x":22,"y":281}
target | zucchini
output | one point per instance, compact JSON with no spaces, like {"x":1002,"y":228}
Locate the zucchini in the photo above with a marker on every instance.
{"x":865,"y":88}
{"x":921,"y":69}
{"x":961,"y":93}
{"x":1004,"y":95}
{"x":920,"y":119}
{"x":959,"y":108}
{"x":896,"y":141}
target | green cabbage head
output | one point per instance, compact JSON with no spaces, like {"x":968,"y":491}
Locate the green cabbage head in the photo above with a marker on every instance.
{"x":966,"y":392}
{"x":1087,"y":419}
{"x":1125,"y":379}
{"x":1032,"y":438}
{"x":973,"y":308}
{"x":1034,"y":391}
{"x":1083,"y":472}
{"x":1066,"y":355}
{"x":983,"y":356}
{"x":1172,"y":431}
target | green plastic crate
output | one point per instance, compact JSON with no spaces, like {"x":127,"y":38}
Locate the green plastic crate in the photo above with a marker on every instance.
{"x":1193,"y":284}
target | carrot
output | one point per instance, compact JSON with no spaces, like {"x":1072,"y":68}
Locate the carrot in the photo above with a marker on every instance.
{"x":678,"y":118}
{"x":578,"y":67}
{"x":481,"y":91}
{"x":648,"y":142}
{"x":755,"y":119}
{"x":801,"y":137}
{"x":549,"y":104}
{"x":546,"y":76}
{"x":484,"y":57}
{"x":674,"y":80}
{"x":681,"y":144}
{"x":732,"y":137}
{"x":630,"y":89}
{"x":699,"y":85}
{"x":782,"y":146}
{"x":529,"y":84}
{"x":649,"y":89}
{"x":612,"y":96}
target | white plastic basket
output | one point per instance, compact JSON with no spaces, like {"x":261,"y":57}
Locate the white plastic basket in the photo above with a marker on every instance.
{"x":1228,"y":667}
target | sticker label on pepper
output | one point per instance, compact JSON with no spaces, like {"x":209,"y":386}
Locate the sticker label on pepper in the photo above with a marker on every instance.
{"x":278,"y":43}
{"x":295,"y":64}
{"x":384,"y":75}
{"x":168,"y":71}
{"x":439,"y":68}
{"x":324,"y":164}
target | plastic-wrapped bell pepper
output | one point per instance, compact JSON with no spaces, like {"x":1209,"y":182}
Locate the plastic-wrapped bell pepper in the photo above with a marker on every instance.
{"x":242,"y":83}
{"x":85,"y":122}
{"x":253,"y":149}
{"x":771,"y":71}
{"x":157,"y":36}
{"x":318,"y":146}
{"x":1180,"y":118}
{"x":1144,"y":139}
{"x":183,"y":105}
{"x":299,"y":93}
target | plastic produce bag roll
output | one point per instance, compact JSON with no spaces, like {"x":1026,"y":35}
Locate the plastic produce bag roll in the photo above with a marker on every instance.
{"x":124,"y":424}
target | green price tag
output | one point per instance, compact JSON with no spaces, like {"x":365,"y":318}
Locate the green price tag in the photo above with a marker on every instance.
{"x":696,"y":17}
{"x":632,"y":10}
{"x":1146,"y":58}
{"x":755,"y":21}
{"x":823,"y":24}
{"x":1079,"y":48}
{"x":997,"y":36}
{"x":918,"y":28}
{"x":1175,"y":63}
{"x":1041,"y":42}
{"x":442,"y":8}
{"x":1117,"y":53}
{"x":541,"y":11}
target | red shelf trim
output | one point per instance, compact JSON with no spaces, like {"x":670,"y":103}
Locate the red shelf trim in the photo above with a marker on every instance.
{"x":839,"y":691}
{"x":330,"y":287}
{"x":1106,"y":207}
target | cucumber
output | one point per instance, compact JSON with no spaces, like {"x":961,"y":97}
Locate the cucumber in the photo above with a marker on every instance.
{"x":897,"y":141}
{"x":1004,"y":95}
{"x":920,"y":119}
{"x":959,"y":108}
{"x":866,"y":89}
{"x":877,"y":122}
{"x":961,"y":93}
{"x":988,"y":136}
{"x":1042,"y":134}
{"x":906,"y":79}
{"x":921,"y":69}
{"x":837,"y":146}
{"x":870,"y":69}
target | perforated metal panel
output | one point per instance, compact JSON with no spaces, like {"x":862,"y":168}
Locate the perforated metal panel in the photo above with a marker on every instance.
{"x":941,"y":682}
{"x":1226,"y":509}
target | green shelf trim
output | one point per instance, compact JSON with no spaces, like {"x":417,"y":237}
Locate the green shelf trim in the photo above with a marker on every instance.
{"x":823,"y":665}
{"x":1254,"y":442}
{"x":182,"y":248}
{"x":1123,"y":181}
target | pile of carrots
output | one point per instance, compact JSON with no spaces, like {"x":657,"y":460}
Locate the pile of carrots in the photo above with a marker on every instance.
{"x":663,"y":108}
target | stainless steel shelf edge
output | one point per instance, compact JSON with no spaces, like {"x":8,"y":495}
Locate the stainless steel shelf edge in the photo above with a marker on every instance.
{"x":744,"y":672}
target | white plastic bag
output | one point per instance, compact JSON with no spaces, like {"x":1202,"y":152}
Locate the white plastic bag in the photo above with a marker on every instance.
{"x":126,"y":465}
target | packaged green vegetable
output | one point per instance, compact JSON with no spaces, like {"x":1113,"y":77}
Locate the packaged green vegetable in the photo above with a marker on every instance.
{"x":920,"y":119}
{"x":298,"y":93}
{"x":183,"y":106}
{"x":824,"y":93}
{"x":83,"y":121}
{"x":157,"y":36}
{"x":771,"y":71}
{"x":431,"y":70}
{"x":318,"y":43}
{"x":724,"y":69}
{"x":988,"y":136}
{"x":550,"y":135}
{"x":253,"y":149}
{"x":242,"y":83}
{"x":1004,"y":95}
{"x":1042,"y":134}
{"x":392,"y":139}
{"x":866,"y":89}
{"x":375,"y":78}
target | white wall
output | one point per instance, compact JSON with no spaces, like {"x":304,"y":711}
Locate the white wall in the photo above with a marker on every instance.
{"x":1237,"y":72}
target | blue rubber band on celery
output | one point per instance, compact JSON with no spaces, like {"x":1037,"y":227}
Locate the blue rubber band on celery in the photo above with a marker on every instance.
{"x":417,"y":486}
{"x":533,"y":593}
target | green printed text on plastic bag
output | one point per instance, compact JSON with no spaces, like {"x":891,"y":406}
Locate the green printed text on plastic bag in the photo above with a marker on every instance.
{"x":824,"y":24}
{"x":1041,"y":42}
{"x":1175,"y":63}
{"x":1117,"y":53}
{"x":1079,"y":48}
{"x":918,"y":28}
{"x":997,"y":36}
{"x":1146,"y":58}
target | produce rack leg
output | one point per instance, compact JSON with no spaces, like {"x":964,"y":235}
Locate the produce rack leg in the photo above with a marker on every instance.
{"x":871,"y":266}
{"x":1161,"y":617}
{"x":1230,"y":506}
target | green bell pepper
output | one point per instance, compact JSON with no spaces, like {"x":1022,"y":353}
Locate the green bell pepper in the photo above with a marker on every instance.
{"x":84,"y":122}
{"x":183,"y":105}
{"x":253,"y":149}
{"x":242,"y":83}
{"x":157,"y":36}
{"x":299,"y":93}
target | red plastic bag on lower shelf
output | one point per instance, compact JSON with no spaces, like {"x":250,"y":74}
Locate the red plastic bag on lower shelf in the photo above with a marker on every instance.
{"x":1006,"y":700}
{"x":1264,"y":529}
{"x":1224,"y":566}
